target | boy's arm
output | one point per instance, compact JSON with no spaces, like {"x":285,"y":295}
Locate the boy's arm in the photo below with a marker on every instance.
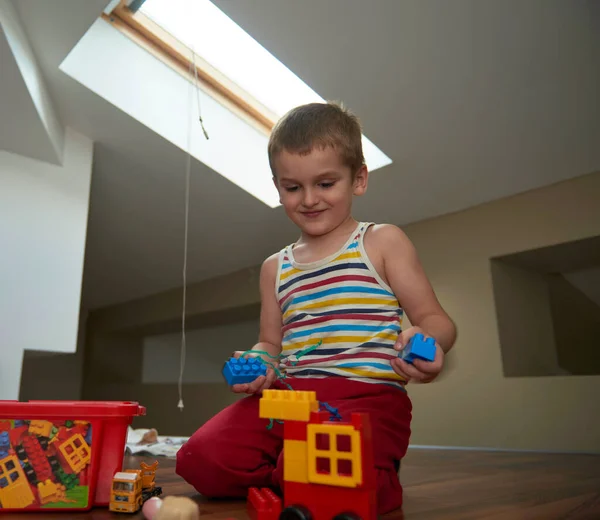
{"x":407,"y":279}
{"x":269,"y":338}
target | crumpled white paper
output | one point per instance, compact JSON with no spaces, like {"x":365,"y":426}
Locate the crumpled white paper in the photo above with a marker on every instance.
{"x":164,"y":447}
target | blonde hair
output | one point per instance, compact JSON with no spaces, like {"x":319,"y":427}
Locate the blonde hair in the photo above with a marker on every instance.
{"x":318,"y":125}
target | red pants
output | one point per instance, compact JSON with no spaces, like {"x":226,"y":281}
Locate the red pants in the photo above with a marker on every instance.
{"x":234,"y":450}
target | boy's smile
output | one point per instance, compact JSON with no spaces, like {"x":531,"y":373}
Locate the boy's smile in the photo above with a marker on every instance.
{"x":316,"y":189}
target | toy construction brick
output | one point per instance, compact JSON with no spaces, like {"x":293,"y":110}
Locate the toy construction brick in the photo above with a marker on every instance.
{"x":4,"y":441}
{"x":287,"y":405}
{"x":263,"y":504}
{"x":295,"y":468}
{"x":243,"y":370}
{"x":418,"y":348}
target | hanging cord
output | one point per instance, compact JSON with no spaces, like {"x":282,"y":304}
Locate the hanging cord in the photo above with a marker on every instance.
{"x":198,"y":95}
{"x":188,"y":166}
{"x":281,"y":376}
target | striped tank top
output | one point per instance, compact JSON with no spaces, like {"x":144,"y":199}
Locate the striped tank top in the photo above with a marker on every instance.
{"x":339,"y":317}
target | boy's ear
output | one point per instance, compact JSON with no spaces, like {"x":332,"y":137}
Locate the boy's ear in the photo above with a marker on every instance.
{"x":361,"y":180}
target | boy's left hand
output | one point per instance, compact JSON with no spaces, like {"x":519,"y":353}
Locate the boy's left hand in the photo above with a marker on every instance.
{"x":419,"y":371}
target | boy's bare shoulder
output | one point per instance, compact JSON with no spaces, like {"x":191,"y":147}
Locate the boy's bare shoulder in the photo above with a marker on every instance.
{"x":385,"y":237}
{"x":269,"y":267}
{"x":271,"y":262}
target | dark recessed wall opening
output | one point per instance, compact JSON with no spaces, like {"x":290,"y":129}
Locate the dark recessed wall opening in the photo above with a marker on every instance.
{"x":548,"y":310}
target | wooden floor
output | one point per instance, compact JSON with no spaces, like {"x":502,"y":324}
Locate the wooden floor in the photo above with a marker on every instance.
{"x":444,"y":484}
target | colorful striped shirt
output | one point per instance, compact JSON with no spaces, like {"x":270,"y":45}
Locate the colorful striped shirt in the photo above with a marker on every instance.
{"x":339,"y":317}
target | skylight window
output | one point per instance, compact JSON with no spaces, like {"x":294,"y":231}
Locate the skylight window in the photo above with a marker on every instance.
{"x":172,"y":45}
{"x":208,"y":31}
{"x":202,"y":27}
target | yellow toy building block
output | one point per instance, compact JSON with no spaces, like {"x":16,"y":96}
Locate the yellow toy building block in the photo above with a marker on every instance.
{"x":15,"y":492}
{"x":327,"y":464}
{"x":288,"y":405}
{"x":77,"y":452}
{"x":41,"y":428}
{"x":47,"y":491}
{"x":295,"y":468}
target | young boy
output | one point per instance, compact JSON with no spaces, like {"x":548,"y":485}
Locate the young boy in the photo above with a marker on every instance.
{"x":344,"y":286}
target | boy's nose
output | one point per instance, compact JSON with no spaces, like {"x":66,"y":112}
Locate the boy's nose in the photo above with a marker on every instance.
{"x":310,"y":199}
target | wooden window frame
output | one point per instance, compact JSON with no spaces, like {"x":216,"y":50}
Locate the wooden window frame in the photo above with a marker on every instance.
{"x":150,"y":36}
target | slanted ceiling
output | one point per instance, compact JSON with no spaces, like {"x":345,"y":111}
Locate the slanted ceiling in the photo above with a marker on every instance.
{"x":472,"y":100}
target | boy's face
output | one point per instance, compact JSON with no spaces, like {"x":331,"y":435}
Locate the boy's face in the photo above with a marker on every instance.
{"x":316,"y":190}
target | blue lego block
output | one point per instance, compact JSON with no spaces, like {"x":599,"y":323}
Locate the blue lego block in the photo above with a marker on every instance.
{"x":418,"y":348}
{"x":4,"y":441}
{"x":243,"y":370}
{"x":88,"y":436}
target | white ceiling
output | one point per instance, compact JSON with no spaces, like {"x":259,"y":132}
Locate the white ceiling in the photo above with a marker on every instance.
{"x":473,"y":100}
{"x":25,"y":135}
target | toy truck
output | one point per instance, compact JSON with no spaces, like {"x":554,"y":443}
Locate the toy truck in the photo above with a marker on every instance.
{"x":132,"y":487}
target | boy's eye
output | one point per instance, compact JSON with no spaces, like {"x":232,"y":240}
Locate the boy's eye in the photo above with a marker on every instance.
{"x":326,"y":184}
{"x":290,"y":188}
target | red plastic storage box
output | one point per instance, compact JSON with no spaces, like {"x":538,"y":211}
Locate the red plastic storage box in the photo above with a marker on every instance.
{"x":61,"y":455}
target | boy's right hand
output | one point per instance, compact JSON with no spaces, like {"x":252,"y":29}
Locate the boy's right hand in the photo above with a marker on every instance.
{"x":258,"y":385}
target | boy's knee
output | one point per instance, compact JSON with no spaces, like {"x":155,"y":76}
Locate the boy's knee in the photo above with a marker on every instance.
{"x":200,"y":465}
{"x":389,"y":490}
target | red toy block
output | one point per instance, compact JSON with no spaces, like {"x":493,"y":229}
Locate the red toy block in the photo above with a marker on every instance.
{"x":294,"y":430}
{"x":263,"y":504}
{"x":362,"y":424}
{"x":37,"y":458}
{"x":83,"y":477}
{"x":16,"y":434}
{"x":320,"y":417}
{"x":326,"y":502}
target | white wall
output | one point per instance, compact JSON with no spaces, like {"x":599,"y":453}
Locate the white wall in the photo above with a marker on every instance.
{"x":43,"y":223}
{"x":207,"y":351}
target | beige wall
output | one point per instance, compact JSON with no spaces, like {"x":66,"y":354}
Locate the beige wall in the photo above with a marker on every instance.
{"x":473,"y":404}
{"x":476,"y":405}
{"x":206,"y":349}
{"x":114,"y":362}
{"x":524,"y":317}
{"x":201,"y":401}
